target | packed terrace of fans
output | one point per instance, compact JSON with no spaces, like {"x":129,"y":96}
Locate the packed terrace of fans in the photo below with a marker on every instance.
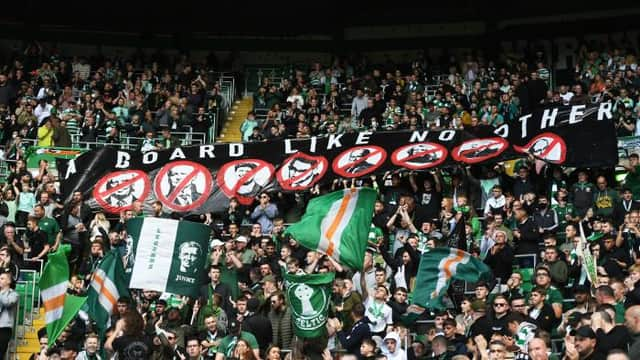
{"x":523,"y":220}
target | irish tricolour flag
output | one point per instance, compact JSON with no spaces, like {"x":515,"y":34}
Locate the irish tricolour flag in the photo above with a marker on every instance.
{"x":60,"y":308}
{"x":338,"y":224}
{"x":108,"y":284}
{"x":441,"y":265}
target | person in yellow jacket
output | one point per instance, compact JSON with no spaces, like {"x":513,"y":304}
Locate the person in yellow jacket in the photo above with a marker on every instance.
{"x":45,"y":132}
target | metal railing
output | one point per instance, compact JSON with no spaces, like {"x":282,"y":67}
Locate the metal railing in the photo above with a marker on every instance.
{"x":133,"y":143}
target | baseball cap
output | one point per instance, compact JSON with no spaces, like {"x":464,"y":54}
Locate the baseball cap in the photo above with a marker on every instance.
{"x":585,"y":332}
{"x":216,"y":242}
{"x":242,"y":238}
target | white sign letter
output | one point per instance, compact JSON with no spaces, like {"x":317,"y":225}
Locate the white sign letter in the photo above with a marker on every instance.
{"x":363,"y":138}
{"x":312,"y":146}
{"x":576,"y":111}
{"x":206,"y":151}
{"x":548,"y":119}
{"x":523,"y":120}
{"x":447,"y":135}
{"x":177,"y":154}
{"x":123,"y":160}
{"x":287,"y":147}
{"x":236,"y":150}
{"x":334,"y":141}
{"x":149,"y":157}
{"x":418,"y":136}
{"x":71,"y":168}
{"x":605,"y":109}
{"x":502,"y":131}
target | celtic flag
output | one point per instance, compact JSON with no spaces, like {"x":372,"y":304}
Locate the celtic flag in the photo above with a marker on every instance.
{"x":167,"y":255}
{"x":107,"y":285}
{"x":338,"y":224}
{"x":589,"y":266}
{"x":60,"y":308}
{"x":441,"y":265}
{"x":309,"y":296}
{"x":526,"y":332}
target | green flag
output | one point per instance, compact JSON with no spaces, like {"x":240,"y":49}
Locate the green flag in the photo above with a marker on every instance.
{"x":167,"y":255}
{"x":338,"y":224}
{"x":438,"y":267}
{"x":309,"y":297}
{"x":60,"y":308}
{"x":107,"y":285}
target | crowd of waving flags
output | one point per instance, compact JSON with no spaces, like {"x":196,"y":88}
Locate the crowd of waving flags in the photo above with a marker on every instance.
{"x":169,"y":256}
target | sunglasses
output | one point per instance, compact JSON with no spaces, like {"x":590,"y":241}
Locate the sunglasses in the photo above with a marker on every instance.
{"x":499,"y":304}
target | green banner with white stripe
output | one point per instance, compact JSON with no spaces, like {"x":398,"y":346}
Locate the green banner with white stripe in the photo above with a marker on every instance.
{"x":338,"y":224}
{"x":167,"y":255}
{"x":441,"y":265}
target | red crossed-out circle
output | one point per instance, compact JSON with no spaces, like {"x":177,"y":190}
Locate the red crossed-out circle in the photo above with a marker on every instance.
{"x":349,"y":169}
{"x":401,"y":156}
{"x":319,"y":166}
{"x":169,"y":199}
{"x":231,"y":189}
{"x":101,"y":194}
{"x":479,"y":150}
{"x":546,"y":146}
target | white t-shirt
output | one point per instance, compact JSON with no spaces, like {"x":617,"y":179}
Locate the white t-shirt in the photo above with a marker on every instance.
{"x":566,"y":97}
{"x":379,"y":315}
{"x":42,"y":112}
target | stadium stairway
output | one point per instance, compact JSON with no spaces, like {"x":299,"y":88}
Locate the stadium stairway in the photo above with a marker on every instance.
{"x":231,"y":130}
{"x":30,"y":344}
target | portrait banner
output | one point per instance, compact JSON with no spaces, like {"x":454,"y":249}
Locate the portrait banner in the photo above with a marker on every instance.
{"x":194,"y":180}
{"x":167,"y":255}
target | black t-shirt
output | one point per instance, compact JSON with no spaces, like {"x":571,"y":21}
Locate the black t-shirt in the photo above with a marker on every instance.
{"x":37,"y":240}
{"x":430,"y":201}
{"x":132,"y":347}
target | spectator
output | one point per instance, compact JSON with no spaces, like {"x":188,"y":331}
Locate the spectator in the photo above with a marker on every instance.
{"x":248,"y":125}
{"x":265,"y":212}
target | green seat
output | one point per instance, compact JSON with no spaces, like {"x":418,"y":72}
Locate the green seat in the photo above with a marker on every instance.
{"x":527,"y":274}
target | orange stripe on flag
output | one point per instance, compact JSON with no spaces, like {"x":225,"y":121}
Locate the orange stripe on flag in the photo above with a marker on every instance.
{"x":104,"y":291}
{"x":54,"y":302}
{"x":451,"y":262}
{"x":336,"y":222}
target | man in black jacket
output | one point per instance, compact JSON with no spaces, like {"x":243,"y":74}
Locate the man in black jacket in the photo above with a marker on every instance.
{"x":351,"y":339}
{"x":495,"y":321}
{"x":258,"y":324}
{"x":526,"y":234}
{"x":369,"y":115}
{"x":216,"y":287}
{"x":540,"y":312}
{"x":4,"y":210}
{"x":500,"y":256}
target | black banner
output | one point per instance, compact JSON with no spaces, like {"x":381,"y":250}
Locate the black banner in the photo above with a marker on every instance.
{"x":198,"y":179}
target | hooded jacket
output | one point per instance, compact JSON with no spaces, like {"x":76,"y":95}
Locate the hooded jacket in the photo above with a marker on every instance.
{"x":399,"y":353}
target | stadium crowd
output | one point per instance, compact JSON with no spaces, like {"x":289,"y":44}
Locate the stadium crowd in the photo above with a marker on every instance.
{"x":524,"y":223}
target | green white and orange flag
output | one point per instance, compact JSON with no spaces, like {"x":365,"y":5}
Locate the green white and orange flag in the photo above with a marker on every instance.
{"x":338,"y":224}
{"x":60,"y":308}
{"x":441,"y":265}
{"x":108,"y":284}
